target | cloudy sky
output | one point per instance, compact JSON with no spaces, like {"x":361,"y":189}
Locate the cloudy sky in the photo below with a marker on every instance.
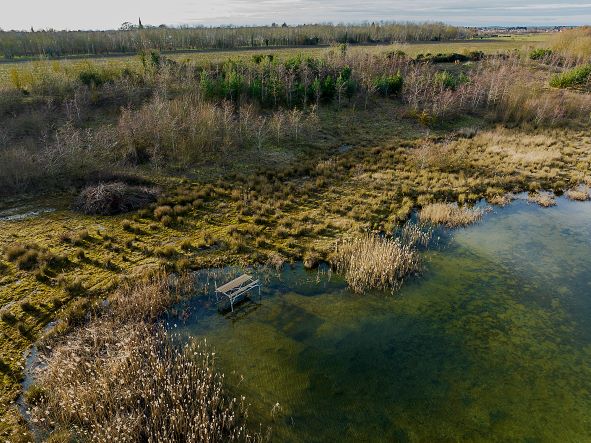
{"x":109,"y":14}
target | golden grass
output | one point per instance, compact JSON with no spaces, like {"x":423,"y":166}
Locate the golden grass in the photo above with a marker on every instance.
{"x":544,"y":199}
{"x":373,"y":262}
{"x":449,"y":214}
{"x":500,"y":199}
{"x":574,"y":44}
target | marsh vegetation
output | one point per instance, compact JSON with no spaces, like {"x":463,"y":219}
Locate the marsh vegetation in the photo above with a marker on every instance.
{"x":257,"y":159}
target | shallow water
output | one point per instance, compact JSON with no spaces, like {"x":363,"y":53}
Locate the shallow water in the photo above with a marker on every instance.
{"x":493,"y":343}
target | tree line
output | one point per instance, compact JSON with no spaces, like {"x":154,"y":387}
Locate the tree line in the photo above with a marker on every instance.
{"x":52,"y":43}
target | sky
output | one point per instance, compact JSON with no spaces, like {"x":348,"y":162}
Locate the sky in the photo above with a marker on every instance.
{"x":110,"y":14}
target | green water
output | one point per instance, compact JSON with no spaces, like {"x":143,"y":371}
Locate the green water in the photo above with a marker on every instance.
{"x":493,"y":343}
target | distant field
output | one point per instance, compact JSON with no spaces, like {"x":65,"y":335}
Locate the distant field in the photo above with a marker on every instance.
{"x":488,"y":46}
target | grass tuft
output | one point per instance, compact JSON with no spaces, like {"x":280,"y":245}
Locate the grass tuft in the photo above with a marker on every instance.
{"x":544,"y":199}
{"x":579,"y":194}
{"x":374,"y":262}
{"x":450,"y":215}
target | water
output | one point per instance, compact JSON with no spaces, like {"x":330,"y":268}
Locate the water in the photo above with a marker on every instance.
{"x":493,"y":343}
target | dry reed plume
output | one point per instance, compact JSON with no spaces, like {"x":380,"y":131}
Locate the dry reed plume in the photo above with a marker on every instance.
{"x":450,"y":214}
{"x":371,"y":261}
{"x":123,"y":379}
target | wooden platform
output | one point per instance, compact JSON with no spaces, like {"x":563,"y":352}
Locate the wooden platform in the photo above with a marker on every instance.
{"x":236,"y":289}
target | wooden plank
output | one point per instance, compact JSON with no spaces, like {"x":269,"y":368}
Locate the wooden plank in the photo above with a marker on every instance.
{"x":234,"y":283}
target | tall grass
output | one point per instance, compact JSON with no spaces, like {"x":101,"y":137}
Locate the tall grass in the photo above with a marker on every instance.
{"x":370,"y":261}
{"x":573,"y":44}
{"x":449,"y":214}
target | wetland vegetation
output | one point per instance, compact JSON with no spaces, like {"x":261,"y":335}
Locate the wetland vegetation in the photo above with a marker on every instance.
{"x":162,"y":164}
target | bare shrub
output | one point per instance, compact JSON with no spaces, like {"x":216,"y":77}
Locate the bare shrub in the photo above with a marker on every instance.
{"x":450,"y":214}
{"x":188,"y":129}
{"x":371,"y":261}
{"x":68,"y":157}
{"x":114,"y":198}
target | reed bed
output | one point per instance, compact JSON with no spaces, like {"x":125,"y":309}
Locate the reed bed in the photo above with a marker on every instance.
{"x":374,"y":262}
{"x":450,"y":214}
{"x":122,"y":378}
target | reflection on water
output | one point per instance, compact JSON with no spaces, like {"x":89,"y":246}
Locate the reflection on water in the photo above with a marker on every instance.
{"x":493,"y":343}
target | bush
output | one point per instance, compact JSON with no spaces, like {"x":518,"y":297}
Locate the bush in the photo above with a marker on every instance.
{"x":114,"y":198}
{"x":449,"y":81}
{"x":389,"y":85}
{"x":540,"y":54}
{"x":578,"y":76}
{"x":473,"y":56}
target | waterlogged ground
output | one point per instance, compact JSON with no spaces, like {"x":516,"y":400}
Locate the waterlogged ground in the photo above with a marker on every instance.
{"x":492,"y":344}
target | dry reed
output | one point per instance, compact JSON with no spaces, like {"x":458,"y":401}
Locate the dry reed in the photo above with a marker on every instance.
{"x":450,"y":214}
{"x":371,"y":261}
{"x":121,"y":378}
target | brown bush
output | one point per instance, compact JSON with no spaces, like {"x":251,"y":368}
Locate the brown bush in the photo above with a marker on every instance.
{"x":114,"y":198}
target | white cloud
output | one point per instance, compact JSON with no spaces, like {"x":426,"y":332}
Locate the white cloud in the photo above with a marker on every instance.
{"x":83,"y":14}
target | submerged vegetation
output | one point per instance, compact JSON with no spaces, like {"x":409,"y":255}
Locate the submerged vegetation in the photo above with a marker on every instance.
{"x":254,"y":159}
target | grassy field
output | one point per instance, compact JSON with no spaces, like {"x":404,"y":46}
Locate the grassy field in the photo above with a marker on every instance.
{"x":363,"y":165}
{"x":486,"y":45}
